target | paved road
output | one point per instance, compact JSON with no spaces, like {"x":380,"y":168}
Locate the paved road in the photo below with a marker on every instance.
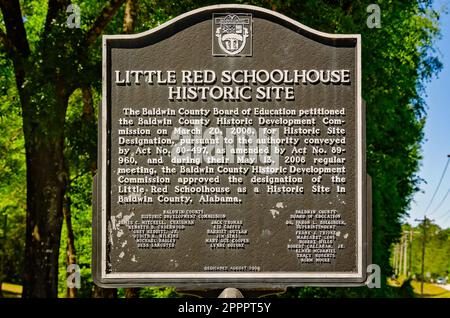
{"x":445,"y":286}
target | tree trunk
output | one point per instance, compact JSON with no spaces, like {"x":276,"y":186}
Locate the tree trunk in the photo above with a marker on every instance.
{"x":132,"y":292}
{"x":46,"y":182}
{"x":104,"y":292}
{"x":45,"y":192}
{"x":129,"y":16}
{"x":2,"y":274}
{"x":71,"y":252}
{"x":3,"y":255}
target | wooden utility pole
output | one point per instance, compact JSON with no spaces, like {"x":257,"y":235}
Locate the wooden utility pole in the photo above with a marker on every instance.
{"x":424,"y":239}
{"x":410,"y":252}
{"x":405,"y":255}
{"x":395,"y":258}
{"x":423,"y":252}
{"x":400,"y":261}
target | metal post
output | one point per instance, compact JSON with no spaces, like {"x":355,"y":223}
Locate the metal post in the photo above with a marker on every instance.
{"x":231,"y":293}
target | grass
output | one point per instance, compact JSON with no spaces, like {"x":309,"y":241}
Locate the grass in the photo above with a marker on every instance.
{"x":11,"y":290}
{"x":430,"y":290}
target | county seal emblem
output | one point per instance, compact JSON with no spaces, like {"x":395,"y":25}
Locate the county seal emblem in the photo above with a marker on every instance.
{"x":232,"y":34}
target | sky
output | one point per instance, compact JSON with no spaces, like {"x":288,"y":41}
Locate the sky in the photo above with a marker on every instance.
{"x":436,"y":145}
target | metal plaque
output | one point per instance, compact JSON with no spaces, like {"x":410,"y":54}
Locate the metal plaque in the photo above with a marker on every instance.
{"x":231,"y":152}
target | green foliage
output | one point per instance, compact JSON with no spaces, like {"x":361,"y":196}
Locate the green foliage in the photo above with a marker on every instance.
{"x":81,"y":155}
{"x":153,"y":292}
{"x":12,"y":176}
{"x":81,"y":147}
{"x":81,"y":209}
{"x":341,"y":292}
{"x":158,"y":292}
{"x":437,"y":256}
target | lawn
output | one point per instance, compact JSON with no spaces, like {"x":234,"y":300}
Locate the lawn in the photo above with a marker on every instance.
{"x":430,"y":290}
{"x":11,"y":290}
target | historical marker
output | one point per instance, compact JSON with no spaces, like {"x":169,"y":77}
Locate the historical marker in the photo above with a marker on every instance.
{"x":231,"y":153}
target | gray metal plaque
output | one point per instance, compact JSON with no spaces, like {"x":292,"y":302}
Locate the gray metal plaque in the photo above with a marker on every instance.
{"x":231,"y":152}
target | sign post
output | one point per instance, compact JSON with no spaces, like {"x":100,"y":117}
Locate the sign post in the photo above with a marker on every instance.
{"x":231,"y":153}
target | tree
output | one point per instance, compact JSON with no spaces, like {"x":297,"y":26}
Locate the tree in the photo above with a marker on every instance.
{"x":437,"y":256}
{"x":47,"y":71}
{"x":80,"y":152}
